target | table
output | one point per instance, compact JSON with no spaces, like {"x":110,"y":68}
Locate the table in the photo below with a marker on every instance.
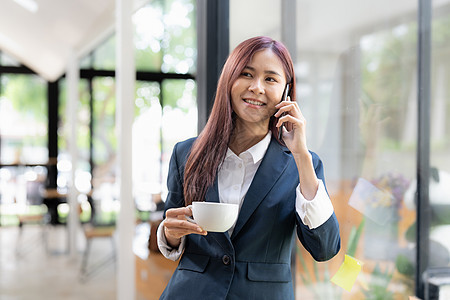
{"x":52,"y":198}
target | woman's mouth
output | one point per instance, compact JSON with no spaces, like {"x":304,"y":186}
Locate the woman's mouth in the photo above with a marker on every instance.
{"x":254,"y":102}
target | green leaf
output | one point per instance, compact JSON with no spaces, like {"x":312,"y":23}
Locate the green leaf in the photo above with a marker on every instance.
{"x":353,"y":240}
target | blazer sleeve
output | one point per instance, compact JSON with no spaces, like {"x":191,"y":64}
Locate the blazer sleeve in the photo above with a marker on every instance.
{"x":175,"y":196}
{"x":322,"y":242}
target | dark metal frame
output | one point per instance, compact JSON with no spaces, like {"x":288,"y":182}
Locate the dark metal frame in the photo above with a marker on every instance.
{"x":140,"y":75}
{"x":15,"y":70}
{"x":53,"y":106}
{"x":423,"y":146}
{"x":213,"y":18}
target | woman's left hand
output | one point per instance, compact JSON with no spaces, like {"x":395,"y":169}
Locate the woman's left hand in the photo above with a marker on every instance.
{"x":294,"y":134}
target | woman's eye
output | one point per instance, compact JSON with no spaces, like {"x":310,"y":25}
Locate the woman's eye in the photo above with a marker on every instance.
{"x":246,"y":74}
{"x":271,"y":79}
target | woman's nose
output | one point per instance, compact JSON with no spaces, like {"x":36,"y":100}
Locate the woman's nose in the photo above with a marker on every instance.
{"x":256,"y":87}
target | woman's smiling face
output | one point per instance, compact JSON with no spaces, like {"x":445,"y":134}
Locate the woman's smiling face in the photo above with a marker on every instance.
{"x":258,"y":89}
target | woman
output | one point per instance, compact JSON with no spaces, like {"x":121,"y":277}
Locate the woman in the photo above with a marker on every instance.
{"x":238,"y":158}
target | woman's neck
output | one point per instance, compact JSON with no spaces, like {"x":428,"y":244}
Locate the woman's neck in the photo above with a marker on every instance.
{"x":245,"y":137}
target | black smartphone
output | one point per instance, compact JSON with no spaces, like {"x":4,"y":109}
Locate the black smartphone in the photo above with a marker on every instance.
{"x":283,"y":98}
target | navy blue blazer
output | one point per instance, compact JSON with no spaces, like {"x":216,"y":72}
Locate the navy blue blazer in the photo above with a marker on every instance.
{"x":254,"y":263}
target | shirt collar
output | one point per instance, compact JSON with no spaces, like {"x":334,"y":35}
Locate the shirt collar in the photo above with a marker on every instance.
{"x":257,"y":151}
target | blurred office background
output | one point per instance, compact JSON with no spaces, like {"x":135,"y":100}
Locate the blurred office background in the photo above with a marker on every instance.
{"x":372,"y":81}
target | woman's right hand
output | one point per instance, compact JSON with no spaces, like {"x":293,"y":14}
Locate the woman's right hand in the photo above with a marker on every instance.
{"x":176,"y":225}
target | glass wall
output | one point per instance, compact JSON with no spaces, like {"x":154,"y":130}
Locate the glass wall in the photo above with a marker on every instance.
{"x":357,"y":87}
{"x":165,"y":48}
{"x":6,"y":60}
{"x":356,"y":74}
{"x":180,"y":105}
{"x":83,"y":170}
{"x":23,"y":131}
{"x":165,"y":38}
{"x":23,"y":144}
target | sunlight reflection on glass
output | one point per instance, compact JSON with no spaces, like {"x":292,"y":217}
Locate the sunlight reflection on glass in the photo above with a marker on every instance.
{"x":149,"y":28}
{"x":373,"y":202}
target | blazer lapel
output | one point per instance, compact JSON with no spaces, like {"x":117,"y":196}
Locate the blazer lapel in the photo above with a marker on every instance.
{"x":272,"y":166}
{"x":212,"y":194}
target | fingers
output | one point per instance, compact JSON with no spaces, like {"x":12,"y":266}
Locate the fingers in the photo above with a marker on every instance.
{"x":176,"y":224}
{"x":178,"y":212}
{"x":178,"y":232}
{"x":290,"y":122}
{"x":289,"y":112}
{"x":288,"y":107}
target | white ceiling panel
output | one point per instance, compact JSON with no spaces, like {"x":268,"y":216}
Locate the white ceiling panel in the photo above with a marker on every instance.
{"x":45,"y":39}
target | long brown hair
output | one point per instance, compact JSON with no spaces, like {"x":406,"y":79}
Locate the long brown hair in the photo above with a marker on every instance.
{"x":209,"y":150}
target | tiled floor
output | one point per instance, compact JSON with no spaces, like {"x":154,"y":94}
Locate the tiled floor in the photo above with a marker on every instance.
{"x":35,"y":274}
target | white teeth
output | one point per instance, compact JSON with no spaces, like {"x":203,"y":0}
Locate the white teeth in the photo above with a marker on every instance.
{"x":253,"y":102}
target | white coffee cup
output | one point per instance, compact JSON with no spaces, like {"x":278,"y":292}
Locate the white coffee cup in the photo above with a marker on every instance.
{"x":213,"y":216}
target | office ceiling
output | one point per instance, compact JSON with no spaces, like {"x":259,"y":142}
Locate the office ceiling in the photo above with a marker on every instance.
{"x":44,"y":34}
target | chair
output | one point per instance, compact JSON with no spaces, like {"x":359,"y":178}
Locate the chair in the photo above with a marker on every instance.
{"x":93,"y":231}
{"x":52,"y":198}
{"x":35,"y":213}
{"x":23,"y":246}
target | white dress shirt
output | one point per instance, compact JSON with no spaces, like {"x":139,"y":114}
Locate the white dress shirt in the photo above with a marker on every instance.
{"x":234,"y":178}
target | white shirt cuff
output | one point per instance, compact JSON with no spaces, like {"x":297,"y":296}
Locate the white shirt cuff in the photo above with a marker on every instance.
{"x":317,"y":211}
{"x":165,"y":248}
